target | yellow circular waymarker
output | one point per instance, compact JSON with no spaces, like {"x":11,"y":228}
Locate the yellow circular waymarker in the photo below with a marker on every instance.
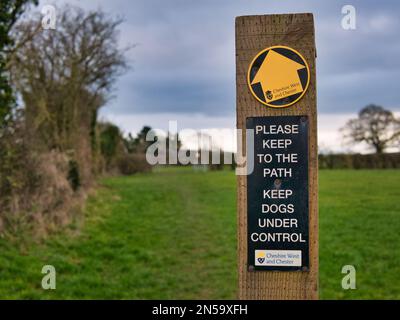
{"x":278,"y":76}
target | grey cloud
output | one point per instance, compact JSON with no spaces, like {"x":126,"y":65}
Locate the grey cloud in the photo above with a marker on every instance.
{"x":176,"y":95}
{"x":184,"y":61}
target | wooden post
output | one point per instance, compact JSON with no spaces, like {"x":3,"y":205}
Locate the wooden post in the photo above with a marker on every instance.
{"x":253,"y":35}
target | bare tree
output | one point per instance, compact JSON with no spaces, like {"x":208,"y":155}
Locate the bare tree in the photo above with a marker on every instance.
{"x":65,"y":75}
{"x":376,"y":126}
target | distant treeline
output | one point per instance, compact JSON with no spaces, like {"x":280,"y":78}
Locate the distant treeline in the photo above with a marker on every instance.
{"x":333,"y":161}
{"x":360,"y":161}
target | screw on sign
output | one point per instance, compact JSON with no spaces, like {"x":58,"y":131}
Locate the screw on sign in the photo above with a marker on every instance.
{"x":277,"y":201}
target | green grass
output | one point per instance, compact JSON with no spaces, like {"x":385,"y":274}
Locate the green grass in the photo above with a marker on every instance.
{"x":172,"y":235}
{"x":360,"y":225}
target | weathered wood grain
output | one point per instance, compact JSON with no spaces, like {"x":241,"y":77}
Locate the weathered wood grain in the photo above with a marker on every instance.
{"x":254,"y":33}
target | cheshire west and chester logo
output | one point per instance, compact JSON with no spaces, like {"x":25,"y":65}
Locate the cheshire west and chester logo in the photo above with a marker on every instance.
{"x":278,"y":76}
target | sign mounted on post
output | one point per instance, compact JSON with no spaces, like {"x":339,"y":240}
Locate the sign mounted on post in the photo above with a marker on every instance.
{"x":278,"y":199}
{"x":278,"y":76}
{"x":277,"y":194}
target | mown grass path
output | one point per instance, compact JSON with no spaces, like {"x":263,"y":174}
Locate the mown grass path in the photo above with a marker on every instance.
{"x":164,"y":235}
{"x":172,"y":234}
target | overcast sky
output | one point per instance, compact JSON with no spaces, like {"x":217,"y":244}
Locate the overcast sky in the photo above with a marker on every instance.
{"x":183,"y":67}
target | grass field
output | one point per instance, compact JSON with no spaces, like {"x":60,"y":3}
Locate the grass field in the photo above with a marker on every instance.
{"x":172,"y":234}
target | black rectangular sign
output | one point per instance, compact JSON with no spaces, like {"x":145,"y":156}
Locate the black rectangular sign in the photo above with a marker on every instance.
{"x":277,"y":194}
